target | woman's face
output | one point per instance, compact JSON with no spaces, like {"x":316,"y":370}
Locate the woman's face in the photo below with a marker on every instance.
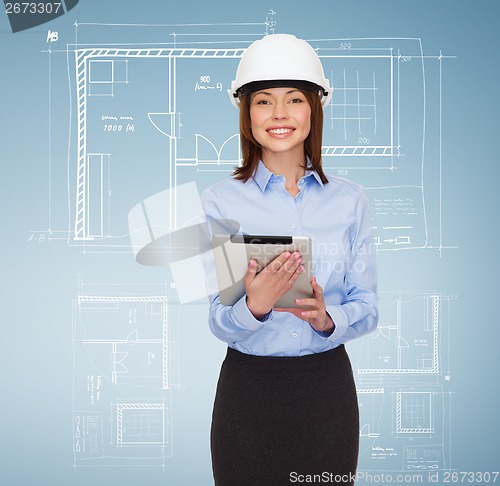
{"x":280,"y":120}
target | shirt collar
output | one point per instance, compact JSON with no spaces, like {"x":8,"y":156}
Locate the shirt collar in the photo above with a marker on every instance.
{"x":263,"y":175}
{"x":310,"y":172}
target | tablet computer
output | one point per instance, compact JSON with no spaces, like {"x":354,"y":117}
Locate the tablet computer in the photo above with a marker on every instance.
{"x":232,"y":253}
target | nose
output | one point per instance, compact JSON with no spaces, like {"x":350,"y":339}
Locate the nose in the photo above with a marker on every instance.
{"x":279,"y":111}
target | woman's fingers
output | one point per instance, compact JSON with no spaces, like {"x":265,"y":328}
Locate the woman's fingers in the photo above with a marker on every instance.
{"x":310,"y":314}
{"x":291,"y":268}
{"x":284,"y":270}
{"x":317,"y":289}
{"x":318,"y":301}
{"x":251,"y":272}
{"x":278,"y":262}
{"x":283,"y":262}
{"x":312,"y":302}
{"x":292,"y":310}
{"x":316,"y":314}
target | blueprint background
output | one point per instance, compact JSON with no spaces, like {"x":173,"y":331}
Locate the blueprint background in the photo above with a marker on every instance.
{"x":39,"y":282}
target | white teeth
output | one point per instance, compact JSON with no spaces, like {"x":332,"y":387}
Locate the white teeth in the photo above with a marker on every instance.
{"x":280,"y":131}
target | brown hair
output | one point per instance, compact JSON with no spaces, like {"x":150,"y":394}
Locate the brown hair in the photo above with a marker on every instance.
{"x":251,"y":149}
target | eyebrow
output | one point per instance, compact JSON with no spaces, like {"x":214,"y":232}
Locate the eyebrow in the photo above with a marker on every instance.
{"x":270,"y":94}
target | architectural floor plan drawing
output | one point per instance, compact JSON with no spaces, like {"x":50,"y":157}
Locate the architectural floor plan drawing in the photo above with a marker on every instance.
{"x":406,"y":338}
{"x":403,"y":382}
{"x":150,"y":126}
{"x":138,"y":351}
{"x":123,"y":364}
{"x":157,"y":113}
{"x":404,"y":427}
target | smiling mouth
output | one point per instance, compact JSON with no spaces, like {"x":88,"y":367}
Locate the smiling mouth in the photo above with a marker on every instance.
{"x":280,"y":131}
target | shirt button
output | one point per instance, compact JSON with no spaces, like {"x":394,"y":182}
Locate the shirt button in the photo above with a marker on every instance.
{"x":294,"y":335}
{"x":294,"y":226}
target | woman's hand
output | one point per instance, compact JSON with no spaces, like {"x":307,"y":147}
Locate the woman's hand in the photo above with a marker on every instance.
{"x":316,"y":315}
{"x":275,"y":280}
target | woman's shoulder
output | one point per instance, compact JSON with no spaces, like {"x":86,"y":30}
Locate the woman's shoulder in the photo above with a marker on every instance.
{"x":344,"y":186}
{"x":226,"y":186}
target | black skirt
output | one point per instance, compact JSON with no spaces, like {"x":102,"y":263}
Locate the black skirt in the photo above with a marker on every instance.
{"x":277,"y":419}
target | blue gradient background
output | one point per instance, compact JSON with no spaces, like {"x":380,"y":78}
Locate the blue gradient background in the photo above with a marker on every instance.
{"x":39,"y":281}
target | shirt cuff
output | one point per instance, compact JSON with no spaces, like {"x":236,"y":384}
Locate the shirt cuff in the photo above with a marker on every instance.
{"x":340,"y":321}
{"x":242,"y":314}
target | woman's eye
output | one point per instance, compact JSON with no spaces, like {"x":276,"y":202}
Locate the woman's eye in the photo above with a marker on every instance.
{"x":262,"y":102}
{"x":296,"y":100}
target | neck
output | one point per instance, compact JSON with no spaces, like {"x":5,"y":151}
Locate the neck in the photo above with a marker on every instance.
{"x":289,"y":164}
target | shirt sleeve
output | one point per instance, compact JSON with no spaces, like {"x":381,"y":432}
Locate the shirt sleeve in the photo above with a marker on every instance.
{"x":359,"y":314}
{"x":227,"y":323}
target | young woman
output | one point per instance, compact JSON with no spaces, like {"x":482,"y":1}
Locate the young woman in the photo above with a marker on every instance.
{"x":286,"y":403}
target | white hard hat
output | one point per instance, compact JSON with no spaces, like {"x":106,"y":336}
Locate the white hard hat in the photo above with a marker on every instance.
{"x":280,"y":60}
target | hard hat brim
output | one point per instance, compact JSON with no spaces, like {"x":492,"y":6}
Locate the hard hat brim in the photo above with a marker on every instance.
{"x":279,"y":83}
